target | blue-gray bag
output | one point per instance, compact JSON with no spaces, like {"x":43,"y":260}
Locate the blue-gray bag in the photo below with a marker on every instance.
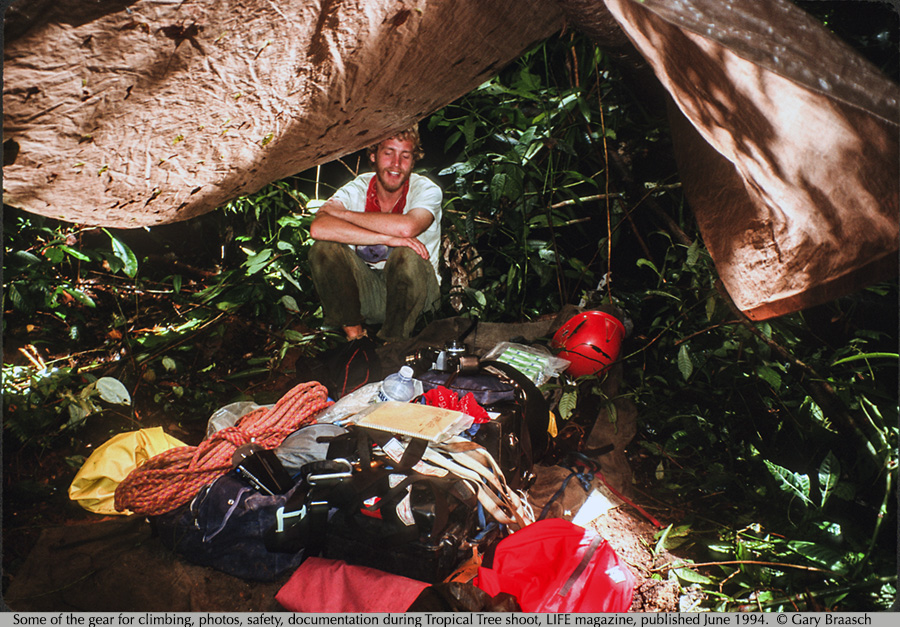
{"x":226,"y":526}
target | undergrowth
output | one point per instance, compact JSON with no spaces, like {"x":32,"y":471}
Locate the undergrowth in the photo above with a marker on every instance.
{"x":769,"y":448}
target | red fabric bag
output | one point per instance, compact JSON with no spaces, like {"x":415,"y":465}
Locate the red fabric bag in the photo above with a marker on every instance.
{"x":554,"y":565}
{"x":322,"y":585}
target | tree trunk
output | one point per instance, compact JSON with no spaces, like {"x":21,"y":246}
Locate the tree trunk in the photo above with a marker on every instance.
{"x":132,"y":113}
{"x":786,"y":141}
{"x":138,"y":112}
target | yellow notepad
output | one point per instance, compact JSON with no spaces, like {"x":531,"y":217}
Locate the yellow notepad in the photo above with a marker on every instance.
{"x":416,"y":421}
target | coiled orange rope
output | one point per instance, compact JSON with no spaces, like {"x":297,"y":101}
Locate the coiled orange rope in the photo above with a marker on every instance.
{"x":172,"y":478}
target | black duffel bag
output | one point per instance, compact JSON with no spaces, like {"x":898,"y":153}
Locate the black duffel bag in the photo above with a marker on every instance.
{"x":517,"y":438}
{"x":403,"y":523}
{"x":225,"y":527}
{"x":241,"y":525}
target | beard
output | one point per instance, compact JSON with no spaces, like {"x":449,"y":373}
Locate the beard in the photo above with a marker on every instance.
{"x":389,"y":183}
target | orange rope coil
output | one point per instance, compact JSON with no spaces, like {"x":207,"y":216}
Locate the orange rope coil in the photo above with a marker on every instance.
{"x":172,"y":478}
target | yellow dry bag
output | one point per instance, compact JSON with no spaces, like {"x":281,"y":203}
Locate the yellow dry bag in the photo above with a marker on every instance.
{"x":94,"y":486}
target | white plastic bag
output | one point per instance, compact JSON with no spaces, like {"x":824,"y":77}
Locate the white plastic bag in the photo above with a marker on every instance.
{"x":535,"y":362}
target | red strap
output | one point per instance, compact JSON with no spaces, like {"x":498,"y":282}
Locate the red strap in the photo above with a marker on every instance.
{"x":655,"y":522}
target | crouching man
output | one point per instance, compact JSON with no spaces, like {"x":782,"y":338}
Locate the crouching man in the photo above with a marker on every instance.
{"x":375,"y":259}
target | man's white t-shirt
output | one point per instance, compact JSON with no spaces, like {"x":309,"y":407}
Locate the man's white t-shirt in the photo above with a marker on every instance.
{"x":423,"y":194}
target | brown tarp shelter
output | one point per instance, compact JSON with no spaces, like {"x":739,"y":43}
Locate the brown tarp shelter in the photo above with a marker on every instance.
{"x":131,"y":113}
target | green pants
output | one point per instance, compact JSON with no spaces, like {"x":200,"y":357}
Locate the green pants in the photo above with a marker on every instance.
{"x":353,"y":293}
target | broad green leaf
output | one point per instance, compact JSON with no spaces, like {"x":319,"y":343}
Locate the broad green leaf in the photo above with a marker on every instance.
{"x":815,"y":411}
{"x":710,"y":307}
{"x":461,"y":168}
{"x":829,"y":473}
{"x":287,"y":277}
{"x":498,"y":186}
{"x":169,"y":364}
{"x":725,"y":549}
{"x":257,"y":261}
{"x":289,"y":303}
{"x":691,"y":576}
{"x":685,"y":365}
{"x":821,"y":555}
{"x":478,"y":295}
{"x":125,"y":255}
{"x":584,"y":108}
{"x":567,"y":403}
{"x":176,"y":283}
{"x":661,"y":536}
{"x":693,"y":253}
{"x":844,"y":490}
{"x":15,"y":296}
{"x":80,"y":296}
{"x":452,"y":139}
{"x":29,"y":258}
{"x":525,"y":147}
{"x":77,"y":414}
{"x":112,"y":391}
{"x":791,"y":482}
{"x":53,"y":254}
{"x":770,"y":376}
{"x":293,"y":336}
{"x":681,"y":531}
{"x":285,"y":246}
{"x":290,"y":220}
{"x":469,"y":130}
{"x":74,"y":253}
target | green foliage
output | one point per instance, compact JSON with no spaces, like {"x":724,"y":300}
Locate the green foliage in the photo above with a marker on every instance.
{"x":732,"y":412}
{"x":44,"y":403}
{"x":273,"y":248}
{"x":45,"y":268}
{"x":528,"y":176}
{"x":63,"y":271}
{"x":734,"y":423}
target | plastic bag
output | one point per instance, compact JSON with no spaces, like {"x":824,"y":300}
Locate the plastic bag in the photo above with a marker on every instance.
{"x":556,"y":566}
{"x":228,"y":415}
{"x":307,"y":444}
{"x":535,"y":362}
{"x":94,"y":486}
{"x":345,"y":411}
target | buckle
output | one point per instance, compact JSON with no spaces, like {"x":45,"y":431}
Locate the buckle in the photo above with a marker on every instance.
{"x":313,"y":479}
{"x":280,"y":517}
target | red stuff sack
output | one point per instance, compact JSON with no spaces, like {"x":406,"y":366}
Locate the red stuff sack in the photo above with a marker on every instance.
{"x":554,"y":565}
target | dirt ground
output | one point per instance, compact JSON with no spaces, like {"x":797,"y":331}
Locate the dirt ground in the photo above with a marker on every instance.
{"x":116,"y":564}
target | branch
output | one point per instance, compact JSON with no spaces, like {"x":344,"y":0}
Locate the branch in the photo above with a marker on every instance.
{"x":674,"y":565}
{"x":814,"y":383}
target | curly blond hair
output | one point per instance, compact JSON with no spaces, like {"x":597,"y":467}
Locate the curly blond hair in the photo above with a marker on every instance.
{"x":410,"y":135}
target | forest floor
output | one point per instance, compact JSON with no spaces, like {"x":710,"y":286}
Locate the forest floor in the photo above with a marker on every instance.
{"x":35,"y":501}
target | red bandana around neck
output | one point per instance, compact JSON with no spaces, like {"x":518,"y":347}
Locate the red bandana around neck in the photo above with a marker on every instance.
{"x":372,"y":203}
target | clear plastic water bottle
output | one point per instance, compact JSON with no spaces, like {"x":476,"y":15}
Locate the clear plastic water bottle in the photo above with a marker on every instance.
{"x":398,"y":387}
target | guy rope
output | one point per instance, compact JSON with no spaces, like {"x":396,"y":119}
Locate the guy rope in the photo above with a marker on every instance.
{"x":172,"y":478}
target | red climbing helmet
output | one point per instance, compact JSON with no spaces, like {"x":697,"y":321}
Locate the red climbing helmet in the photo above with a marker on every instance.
{"x":590,"y":340}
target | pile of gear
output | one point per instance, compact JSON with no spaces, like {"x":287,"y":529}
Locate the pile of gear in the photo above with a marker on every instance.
{"x":419,"y":481}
